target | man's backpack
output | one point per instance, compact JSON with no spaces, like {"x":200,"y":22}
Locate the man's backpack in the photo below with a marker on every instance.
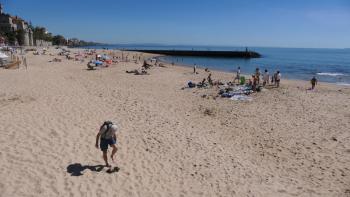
{"x":108,"y":125}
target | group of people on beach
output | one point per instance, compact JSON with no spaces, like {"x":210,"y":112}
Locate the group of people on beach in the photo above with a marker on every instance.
{"x":255,"y":80}
{"x":275,"y":79}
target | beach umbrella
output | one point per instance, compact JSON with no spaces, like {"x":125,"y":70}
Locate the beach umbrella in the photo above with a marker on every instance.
{"x":97,"y":62}
{"x":3,"y":56}
{"x":106,"y":57}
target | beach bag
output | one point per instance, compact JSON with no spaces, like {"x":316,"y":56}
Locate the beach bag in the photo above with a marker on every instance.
{"x":109,"y":125}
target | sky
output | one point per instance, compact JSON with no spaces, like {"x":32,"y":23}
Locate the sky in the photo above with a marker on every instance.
{"x":268,"y":23}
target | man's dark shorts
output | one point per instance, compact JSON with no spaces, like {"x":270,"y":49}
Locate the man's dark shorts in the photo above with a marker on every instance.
{"x":105,"y":142}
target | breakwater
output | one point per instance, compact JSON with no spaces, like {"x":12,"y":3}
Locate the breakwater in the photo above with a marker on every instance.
{"x":227,"y":54}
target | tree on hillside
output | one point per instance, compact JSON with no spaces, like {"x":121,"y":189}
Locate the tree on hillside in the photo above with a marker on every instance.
{"x":11,"y":37}
{"x":40,"y":33}
{"x":48,"y":37}
{"x":20,"y":36}
{"x":58,"y":40}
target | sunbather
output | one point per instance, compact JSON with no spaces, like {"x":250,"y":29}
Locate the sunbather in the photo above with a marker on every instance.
{"x":202,"y":83}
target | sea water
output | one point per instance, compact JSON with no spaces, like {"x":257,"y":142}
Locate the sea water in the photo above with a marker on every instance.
{"x":327,"y":65}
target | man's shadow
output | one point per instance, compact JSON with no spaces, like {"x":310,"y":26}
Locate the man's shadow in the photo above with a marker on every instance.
{"x":77,"y":169}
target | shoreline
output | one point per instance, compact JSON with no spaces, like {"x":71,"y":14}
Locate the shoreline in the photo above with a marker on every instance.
{"x":337,"y":82}
{"x":244,"y":74}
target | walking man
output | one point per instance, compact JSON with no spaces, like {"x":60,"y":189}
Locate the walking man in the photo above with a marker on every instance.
{"x":107,"y":137}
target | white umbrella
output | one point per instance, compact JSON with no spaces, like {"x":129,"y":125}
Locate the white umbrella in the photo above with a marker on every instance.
{"x":3,"y":56}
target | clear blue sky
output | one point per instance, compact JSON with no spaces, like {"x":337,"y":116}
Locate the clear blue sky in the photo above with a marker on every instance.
{"x":283,"y":23}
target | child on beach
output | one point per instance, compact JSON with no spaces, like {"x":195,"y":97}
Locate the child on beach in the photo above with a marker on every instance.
{"x":107,"y":137}
{"x":313,"y":82}
{"x":266,"y":77}
{"x":238,"y":75}
{"x":210,"y":79}
{"x":254,"y":82}
{"x":257,"y":75}
{"x":278,"y":78}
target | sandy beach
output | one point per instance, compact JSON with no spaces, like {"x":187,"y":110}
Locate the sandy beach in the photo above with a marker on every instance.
{"x":172,"y":141}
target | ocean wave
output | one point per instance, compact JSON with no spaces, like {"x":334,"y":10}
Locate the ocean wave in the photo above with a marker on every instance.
{"x":331,"y":74}
{"x":343,"y":84}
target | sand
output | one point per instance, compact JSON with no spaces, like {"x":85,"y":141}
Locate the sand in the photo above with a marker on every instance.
{"x":171,"y":142}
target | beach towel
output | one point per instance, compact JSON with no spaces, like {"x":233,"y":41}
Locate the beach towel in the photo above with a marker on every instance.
{"x":241,"y":98}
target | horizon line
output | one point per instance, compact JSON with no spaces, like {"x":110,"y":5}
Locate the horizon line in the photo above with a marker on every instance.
{"x":208,"y":45}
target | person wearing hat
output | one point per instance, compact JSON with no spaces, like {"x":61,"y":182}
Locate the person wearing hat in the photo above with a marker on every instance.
{"x":107,"y":136}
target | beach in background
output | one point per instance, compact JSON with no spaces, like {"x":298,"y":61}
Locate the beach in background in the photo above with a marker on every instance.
{"x":173,"y":141}
{"x":328,"y":65}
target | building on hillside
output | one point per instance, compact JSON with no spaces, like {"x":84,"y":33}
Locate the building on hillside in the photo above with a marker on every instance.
{"x":42,"y":43}
{"x":10,"y":23}
{"x":73,"y":42}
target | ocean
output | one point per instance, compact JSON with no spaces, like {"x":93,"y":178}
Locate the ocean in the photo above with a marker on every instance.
{"x":327,"y":65}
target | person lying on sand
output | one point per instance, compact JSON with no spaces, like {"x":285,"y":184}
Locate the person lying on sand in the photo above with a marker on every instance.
{"x":136,"y":72}
{"x":107,"y":137}
{"x":57,"y":60}
{"x":202,"y":83}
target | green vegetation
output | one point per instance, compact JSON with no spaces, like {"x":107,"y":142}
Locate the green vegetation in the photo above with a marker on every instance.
{"x":20,"y":36}
{"x":59,"y":40}
{"x":40,"y":33}
{"x":10,"y":37}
